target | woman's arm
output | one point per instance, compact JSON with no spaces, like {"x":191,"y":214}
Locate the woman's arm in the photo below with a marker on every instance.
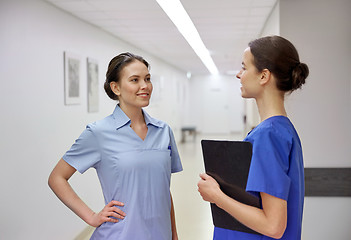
{"x":270,"y":220}
{"x":58,"y":182}
{"x":173,"y":222}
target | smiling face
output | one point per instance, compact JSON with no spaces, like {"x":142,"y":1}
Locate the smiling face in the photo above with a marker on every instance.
{"x":134,"y":87}
{"x":249,"y":76}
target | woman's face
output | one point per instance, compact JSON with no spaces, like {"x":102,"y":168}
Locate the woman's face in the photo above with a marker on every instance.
{"x":134,"y":87}
{"x":249,"y":76}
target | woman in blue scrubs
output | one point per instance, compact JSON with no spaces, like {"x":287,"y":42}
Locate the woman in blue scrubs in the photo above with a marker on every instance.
{"x":270,"y":69}
{"x":134,"y":156}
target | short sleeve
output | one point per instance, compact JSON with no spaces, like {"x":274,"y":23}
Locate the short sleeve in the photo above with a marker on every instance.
{"x":85,"y":152}
{"x":270,"y":164}
{"x":176,"y":165}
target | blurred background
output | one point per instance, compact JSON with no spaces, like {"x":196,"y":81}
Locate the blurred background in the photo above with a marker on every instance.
{"x":46,"y":47}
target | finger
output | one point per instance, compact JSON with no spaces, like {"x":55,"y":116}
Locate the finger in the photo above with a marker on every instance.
{"x":117,"y":210}
{"x":109,"y":219}
{"x":204,"y":176}
{"x":115,"y":215}
{"x":115,"y":203}
{"x":200,"y":183}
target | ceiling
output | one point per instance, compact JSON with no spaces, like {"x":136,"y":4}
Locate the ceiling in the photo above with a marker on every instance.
{"x":225,"y":26}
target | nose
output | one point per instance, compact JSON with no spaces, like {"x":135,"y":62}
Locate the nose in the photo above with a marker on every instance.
{"x":143,"y":84}
{"x":238,"y":75}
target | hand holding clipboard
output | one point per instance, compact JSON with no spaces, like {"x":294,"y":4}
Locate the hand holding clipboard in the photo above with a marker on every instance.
{"x":228,"y":162}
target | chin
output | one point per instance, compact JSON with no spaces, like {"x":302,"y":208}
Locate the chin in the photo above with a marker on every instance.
{"x":145,"y":104}
{"x":244,"y":95}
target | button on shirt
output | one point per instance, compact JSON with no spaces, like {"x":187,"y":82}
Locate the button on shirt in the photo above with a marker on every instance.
{"x":131,"y":170}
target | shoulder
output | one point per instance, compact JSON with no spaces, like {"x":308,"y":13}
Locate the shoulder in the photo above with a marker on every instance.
{"x":101,"y":125}
{"x":164,"y":127}
{"x":154,"y":121}
{"x":162,"y":124}
{"x":278,"y":128}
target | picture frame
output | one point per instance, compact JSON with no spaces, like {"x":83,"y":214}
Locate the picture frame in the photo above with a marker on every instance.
{"x":93,"y":85}
{"x":72,"y":76}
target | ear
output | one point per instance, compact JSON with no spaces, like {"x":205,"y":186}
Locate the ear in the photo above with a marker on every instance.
{"x":115,"y":88}
{"x":265,"y":76}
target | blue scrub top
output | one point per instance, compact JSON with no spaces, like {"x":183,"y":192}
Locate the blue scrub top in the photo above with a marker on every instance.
{"x":131,"y":170}
{"x":277,"y":169}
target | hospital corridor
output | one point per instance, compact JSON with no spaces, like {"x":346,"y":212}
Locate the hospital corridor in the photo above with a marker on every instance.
{"x":57,"y":81}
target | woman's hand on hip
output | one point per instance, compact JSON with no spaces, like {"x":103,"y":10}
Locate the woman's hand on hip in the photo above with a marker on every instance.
{"x":110,"y":213}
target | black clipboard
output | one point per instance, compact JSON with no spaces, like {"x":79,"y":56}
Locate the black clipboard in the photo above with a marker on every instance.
{"x":229,"y":163}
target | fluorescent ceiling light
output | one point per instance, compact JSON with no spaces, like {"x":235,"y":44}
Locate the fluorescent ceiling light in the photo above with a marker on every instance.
{"x":176,"y":12}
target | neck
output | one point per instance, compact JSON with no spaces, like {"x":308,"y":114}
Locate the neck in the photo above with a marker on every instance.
{"x":271,"y":105}
{"x":135,"y":114}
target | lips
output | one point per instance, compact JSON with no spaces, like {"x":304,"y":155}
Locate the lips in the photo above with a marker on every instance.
{"x":143,"y":94}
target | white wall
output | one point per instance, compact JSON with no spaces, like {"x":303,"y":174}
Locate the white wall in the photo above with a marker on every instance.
{"x":321,"y":111}
{"x":37,"y":128}
{"x":215,"y":104}
{"x":271,"y":27}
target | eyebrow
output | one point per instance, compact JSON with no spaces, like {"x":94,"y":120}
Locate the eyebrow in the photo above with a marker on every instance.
{"x":133,"y":76}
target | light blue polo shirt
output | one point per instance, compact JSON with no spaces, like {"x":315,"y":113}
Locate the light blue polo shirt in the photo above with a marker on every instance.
{"x":131,"y":170}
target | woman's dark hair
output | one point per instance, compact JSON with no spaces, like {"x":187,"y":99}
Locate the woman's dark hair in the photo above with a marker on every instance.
{"x":280,"y":57}
{"x":115,"y":67}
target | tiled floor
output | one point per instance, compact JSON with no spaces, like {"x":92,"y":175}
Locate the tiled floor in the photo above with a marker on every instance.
{"x":193,"y":215}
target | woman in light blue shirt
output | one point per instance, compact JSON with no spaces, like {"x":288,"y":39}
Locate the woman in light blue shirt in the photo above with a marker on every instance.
{"x":271,"y":68}
{"x":134,"y":156}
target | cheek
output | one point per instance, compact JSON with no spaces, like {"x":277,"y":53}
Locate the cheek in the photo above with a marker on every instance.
{"x":243,"y":77}
{"x":246,"y":77}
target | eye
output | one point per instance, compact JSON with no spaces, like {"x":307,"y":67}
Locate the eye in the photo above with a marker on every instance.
{"x":148,"y":79}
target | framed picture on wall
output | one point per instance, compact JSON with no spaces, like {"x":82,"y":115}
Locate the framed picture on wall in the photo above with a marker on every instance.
{"x":72,"y":78}
{"x":93,"y":85}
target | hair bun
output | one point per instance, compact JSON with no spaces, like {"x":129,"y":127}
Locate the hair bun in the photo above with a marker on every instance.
{"x":299,"y":75}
